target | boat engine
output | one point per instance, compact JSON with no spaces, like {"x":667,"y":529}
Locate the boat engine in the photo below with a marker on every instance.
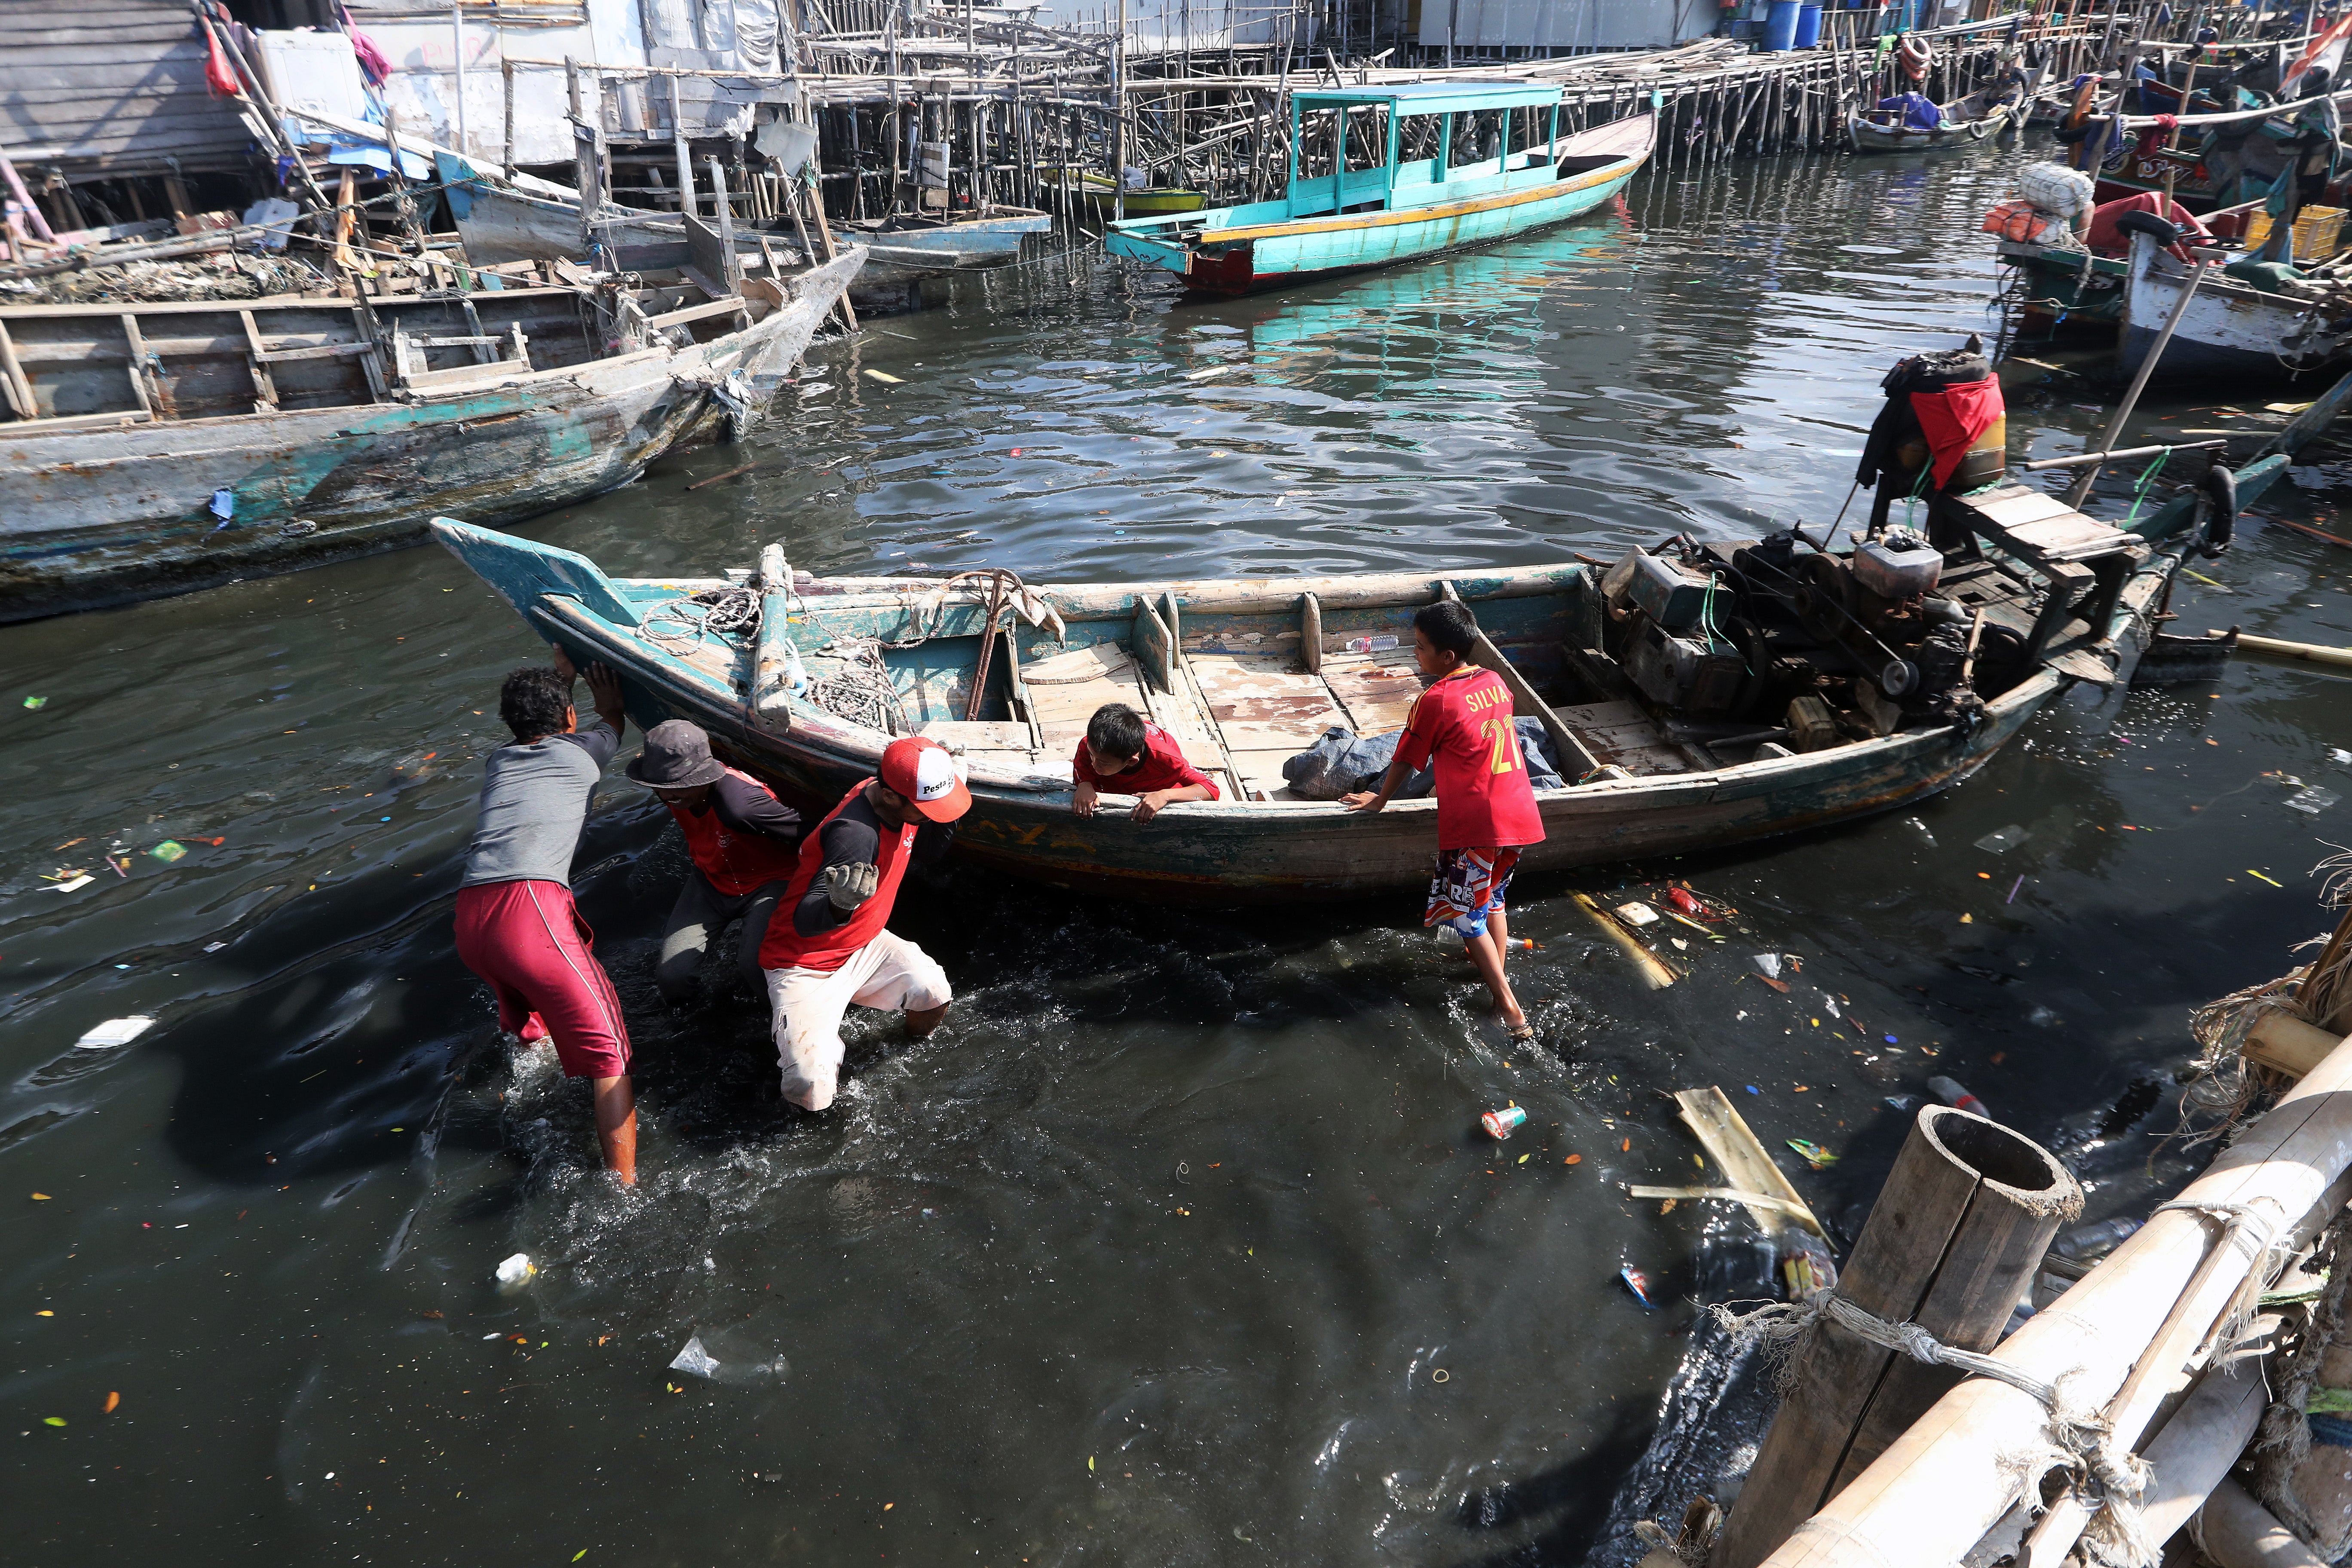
{"x":1674,"y":650}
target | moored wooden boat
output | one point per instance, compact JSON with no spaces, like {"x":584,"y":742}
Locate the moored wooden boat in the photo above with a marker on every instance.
{"x":1404,"y":172}
{"x":1969,"y":121}
{"x":2067,"y":289}
{"x":154,"y":450}
{"x":1103,"y":194}
{"x":980,"y":239}
{"x":2230,"y":329}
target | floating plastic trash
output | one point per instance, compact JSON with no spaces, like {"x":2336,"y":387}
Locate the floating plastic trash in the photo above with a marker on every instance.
{"x":36,"y":702}
{"x":1504,"y":1122}
{"x":1639,"y":1283}
{"x":1636,"y":913}
{"x":2336,"y":755}
{"x":1768,"y":964}
{"x":1950,"y":1091}
{"x":2002,"y":840}
{"x":1902,"y":1101}
{"x":517,"y":1269}
{"x":115,"y":1032}
{"x":2312,"y":800}
{"x":1813,"y":1155}
{"x":83,"y":881}
{"x":725,"y":1356}
{"x":171,"y":849}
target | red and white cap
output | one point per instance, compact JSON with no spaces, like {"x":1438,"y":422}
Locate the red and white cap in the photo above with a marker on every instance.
{"x":921,"y":769}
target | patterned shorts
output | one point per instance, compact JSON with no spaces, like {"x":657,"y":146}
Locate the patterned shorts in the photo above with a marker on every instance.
{"x":1468,"y":888}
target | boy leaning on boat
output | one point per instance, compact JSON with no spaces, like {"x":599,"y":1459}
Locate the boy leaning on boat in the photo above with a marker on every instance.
{"x":1487,"y":809}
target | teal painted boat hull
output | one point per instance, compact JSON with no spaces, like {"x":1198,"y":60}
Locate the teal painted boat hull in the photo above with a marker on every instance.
{"x":1380,"y":217}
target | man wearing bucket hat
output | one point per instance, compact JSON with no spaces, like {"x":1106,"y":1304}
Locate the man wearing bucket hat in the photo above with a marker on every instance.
{"x":829,"y":947}
{"x":742,"y":839}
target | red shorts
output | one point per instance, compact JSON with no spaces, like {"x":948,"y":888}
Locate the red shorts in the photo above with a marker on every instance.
{"x":528,"y":942}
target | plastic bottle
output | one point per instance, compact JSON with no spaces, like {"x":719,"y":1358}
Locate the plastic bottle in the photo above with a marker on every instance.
{"x":1370,"y":645}
{"x":1950,"y":1091}
{"x":796,"y":681}
{"x":2089,"y":1240}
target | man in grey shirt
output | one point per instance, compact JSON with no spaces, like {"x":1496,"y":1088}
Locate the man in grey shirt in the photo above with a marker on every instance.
{"x":517,"y":925}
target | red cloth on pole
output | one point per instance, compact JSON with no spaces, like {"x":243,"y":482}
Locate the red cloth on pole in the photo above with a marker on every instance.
{"x":1954,"y":418}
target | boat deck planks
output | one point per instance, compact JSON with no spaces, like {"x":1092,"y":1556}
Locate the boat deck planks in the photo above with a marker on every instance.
{"x":1622,"y":733}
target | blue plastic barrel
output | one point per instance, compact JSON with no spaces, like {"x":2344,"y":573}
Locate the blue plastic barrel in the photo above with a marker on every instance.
{"x":1781,"y":25}
{"x":1809,"y":26}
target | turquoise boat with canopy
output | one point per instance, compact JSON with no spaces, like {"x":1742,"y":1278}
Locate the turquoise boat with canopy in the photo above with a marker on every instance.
{"x":1383,"y":175}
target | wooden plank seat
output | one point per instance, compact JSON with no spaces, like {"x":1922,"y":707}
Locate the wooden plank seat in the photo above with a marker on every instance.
{"x":2083,"y":561}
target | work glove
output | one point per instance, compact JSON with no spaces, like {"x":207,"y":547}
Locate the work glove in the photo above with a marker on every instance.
{"x":847,"y":886}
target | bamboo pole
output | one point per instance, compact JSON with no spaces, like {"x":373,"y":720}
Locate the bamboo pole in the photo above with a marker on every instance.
{"x":1958,"y":1231}
{"x":1655,"y":973}
{"x":2304,"y":652}
{"x":1940,"y":1487}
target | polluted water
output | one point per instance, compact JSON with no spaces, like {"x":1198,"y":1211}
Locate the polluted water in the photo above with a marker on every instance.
{"x":1153,"y":1247}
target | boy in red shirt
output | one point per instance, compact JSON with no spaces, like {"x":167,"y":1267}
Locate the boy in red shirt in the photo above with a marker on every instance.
{"x":1486,"y":807}
{"x":1123,"y":753}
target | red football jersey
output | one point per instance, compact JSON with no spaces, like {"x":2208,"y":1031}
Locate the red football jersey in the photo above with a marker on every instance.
{"x":1483,"y":799}
{"x":1161,"y":766}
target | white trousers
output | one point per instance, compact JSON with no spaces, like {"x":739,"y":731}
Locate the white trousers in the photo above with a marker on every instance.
{"x":888,"y":973}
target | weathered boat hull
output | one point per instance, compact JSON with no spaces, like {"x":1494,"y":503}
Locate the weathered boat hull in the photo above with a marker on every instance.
{"x":1240,"y":851}
{"x":96,"y":517}
{"x":2064,"y":294}
{"x":2230,"y":331}
{"x":1243,"y":250}
{"x":1868,"y":136}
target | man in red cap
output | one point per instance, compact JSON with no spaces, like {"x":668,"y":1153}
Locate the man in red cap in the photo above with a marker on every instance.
{"x":833,"y":950}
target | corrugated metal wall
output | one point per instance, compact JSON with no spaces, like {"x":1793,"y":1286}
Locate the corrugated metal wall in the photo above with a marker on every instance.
{"x":1564,"y":23}
{"x":116,"y":87}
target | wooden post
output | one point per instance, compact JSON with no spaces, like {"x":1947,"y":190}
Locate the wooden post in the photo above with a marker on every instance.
{"x":1933,"y":1495}
{"x":1963,"y":1221}
{"x":506,"y":140}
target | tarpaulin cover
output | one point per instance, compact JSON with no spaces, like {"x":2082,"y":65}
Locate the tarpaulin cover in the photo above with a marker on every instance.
{"x":1920,"y":112}
{"x":1954,"y":418}
{"x":2104,"y":239}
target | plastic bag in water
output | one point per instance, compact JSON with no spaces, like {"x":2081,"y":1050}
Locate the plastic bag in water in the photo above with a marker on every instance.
{"x":2002,"y":840}
{"x":725,"y":1356}
{"x":2311,"y":800}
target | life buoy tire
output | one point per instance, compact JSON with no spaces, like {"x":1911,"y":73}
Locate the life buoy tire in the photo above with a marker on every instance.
{"x":1914,"y":56}
{"x":2217,"y":490}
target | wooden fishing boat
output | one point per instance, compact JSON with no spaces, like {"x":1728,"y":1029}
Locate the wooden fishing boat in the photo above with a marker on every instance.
{"x":157,"y":448}
{"x":2067,"y":289}
{"x":1395,"y":173}
{"x":2230,"y":330}
{"x":1102,"y":193}
{"x":1970,"y":121}
{"x":1248,"y":672}
{"x":979,"y":240}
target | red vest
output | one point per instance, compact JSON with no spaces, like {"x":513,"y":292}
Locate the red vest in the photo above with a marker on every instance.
{"x":736,"y":863}
{"x":787,"y":949}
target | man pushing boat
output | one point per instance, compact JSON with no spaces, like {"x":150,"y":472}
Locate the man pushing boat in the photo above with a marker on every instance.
{"x":741,"y":839}
{"x":827,"y":947}
{"x":517,"y":926}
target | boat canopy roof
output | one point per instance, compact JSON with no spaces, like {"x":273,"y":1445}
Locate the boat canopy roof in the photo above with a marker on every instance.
{"x":1435,"y":97}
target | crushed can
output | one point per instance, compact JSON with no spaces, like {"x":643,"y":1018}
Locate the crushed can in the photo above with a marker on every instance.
{"x":1504,"y":1122}
{"x":1637,"y":1282}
